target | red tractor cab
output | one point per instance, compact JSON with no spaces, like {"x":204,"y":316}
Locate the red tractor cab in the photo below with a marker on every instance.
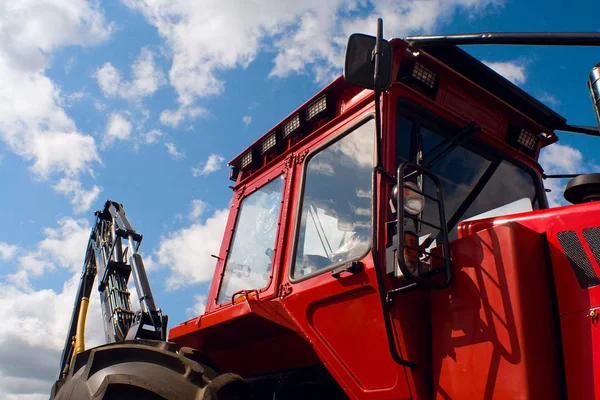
{"x":326,"y":270}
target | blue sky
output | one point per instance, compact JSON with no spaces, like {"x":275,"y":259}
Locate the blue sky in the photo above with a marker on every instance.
{"x":144,"y":102}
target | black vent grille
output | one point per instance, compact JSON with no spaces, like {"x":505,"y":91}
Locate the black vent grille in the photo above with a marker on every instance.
{"x":584,"y":272}
{"x":592,"y":237}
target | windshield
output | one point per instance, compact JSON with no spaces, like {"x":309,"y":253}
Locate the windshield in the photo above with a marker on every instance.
{"x":474,"y":181}
{"x":250,"y":256}
{"x":335,"y":224}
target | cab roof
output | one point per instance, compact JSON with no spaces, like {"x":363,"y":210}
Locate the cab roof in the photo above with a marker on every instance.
{"x":476,"y":71}
{"x":471,"y":68}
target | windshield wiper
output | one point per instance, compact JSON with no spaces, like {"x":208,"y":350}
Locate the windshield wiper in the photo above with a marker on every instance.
{"x":468,"y":201}
{"x":315,"y":217}
{"x":446,"y":146}
{"x":471,"y":197}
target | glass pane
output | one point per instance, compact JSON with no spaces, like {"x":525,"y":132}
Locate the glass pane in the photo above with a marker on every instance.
{"x":335,"y":222}
{"x":249,"y":262}
{"x":508,"y":184}
{"x":403,"y":137}
{"x":462,"y":169}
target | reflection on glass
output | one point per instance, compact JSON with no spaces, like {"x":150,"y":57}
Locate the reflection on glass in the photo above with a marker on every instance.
{"x":250,"y":258}
{"x":335,"y":224}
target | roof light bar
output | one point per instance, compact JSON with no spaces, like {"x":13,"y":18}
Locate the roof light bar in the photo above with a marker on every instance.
{"x":269,"y":143}
{"x":317,"y":108}
{"x":291,"y":126}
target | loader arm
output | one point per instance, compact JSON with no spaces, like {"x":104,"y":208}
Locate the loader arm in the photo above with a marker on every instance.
{"x":113,"y":263}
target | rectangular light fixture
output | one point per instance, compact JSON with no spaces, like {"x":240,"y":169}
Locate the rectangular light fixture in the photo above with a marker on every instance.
{"x":269,"y":143}
{"x":234,"y":173}
{"x":424,"y":75}
{"x":246,"y":160}
{"x":291,"y":126}
{"x":527,"y":140}
{"x":523,"y":140}
{"x":316,"y":108}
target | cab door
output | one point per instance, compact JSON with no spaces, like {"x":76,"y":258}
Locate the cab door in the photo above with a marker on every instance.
{"x":333,"y":291}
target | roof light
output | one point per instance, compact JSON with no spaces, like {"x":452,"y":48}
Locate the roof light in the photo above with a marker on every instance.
{"x":424,"y":75}
{"x":522,"y":139}
{"x":269,"y":143}
{"x":317,"y":108}
{"x":246,"y":160}
{"x":233,"y":173}
{"x":527,"y":139}
{"x":291,"y":126}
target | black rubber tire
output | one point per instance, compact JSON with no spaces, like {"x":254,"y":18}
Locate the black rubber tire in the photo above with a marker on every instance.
{"x":146,"y":369}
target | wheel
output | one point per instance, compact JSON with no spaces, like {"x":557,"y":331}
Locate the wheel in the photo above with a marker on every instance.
{"x":146,"y":369}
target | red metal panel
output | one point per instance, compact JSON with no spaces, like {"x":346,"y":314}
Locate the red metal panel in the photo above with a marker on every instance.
{"x":343,"y":319}
{"x":464,"y":105}
{"x":493,"y":329}
{"x":249,"y":338}
{"x":571,"y":296}
{"x":581,"y":339}
{"x":344,"y":324}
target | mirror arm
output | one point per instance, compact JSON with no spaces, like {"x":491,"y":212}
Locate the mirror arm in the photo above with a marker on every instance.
{"x":376,"y":59}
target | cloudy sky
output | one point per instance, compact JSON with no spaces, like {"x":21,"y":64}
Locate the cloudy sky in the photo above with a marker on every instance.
{"x":144,"y":101}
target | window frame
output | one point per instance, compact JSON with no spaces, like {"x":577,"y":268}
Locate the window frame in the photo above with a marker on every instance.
{"x":300,"y":202}
{"x":240,"y":194}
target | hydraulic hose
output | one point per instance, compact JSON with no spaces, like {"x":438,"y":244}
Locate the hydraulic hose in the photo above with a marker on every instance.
{"x":80,"y":332}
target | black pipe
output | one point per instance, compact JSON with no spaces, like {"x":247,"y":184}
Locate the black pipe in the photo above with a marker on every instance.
{"x":511,"y":38}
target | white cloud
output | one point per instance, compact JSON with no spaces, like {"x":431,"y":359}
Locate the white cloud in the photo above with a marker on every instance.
{"x":68,"y":99}
{"x":34,"y":124}
{"x":198,"y":208}
{"x":147,"y":78}
{"x":187,"y":252}
{"x":199,"y":307}
{"x":68,"y":152}
{"x":173,"y":152}
{"x":560,"y":159}
{"x":173,"y":118}
{"x":81,"y":199}
{"x":514,"y":71}
{"x":7,"y":251}
{"x":549,"y":99}
{"x":212,"y":164}
{"x":35,"y":327}
{"x":247,"y":120}
{"x":35,"y":320}
{"x":108,"y":79}
{"x":63,"y":246}
{"x":152,"y":136}
{"x":117,"y":128}
{"x":307,"y":36}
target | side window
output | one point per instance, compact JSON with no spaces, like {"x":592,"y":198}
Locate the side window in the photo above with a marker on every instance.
{"x":249,"y":262}
{"x":335,"y":220}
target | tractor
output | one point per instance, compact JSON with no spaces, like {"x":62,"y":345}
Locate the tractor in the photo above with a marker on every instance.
{"x":389,"y":239}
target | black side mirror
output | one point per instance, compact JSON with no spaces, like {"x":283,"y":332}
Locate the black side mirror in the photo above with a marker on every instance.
{"x":359,"y":65}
